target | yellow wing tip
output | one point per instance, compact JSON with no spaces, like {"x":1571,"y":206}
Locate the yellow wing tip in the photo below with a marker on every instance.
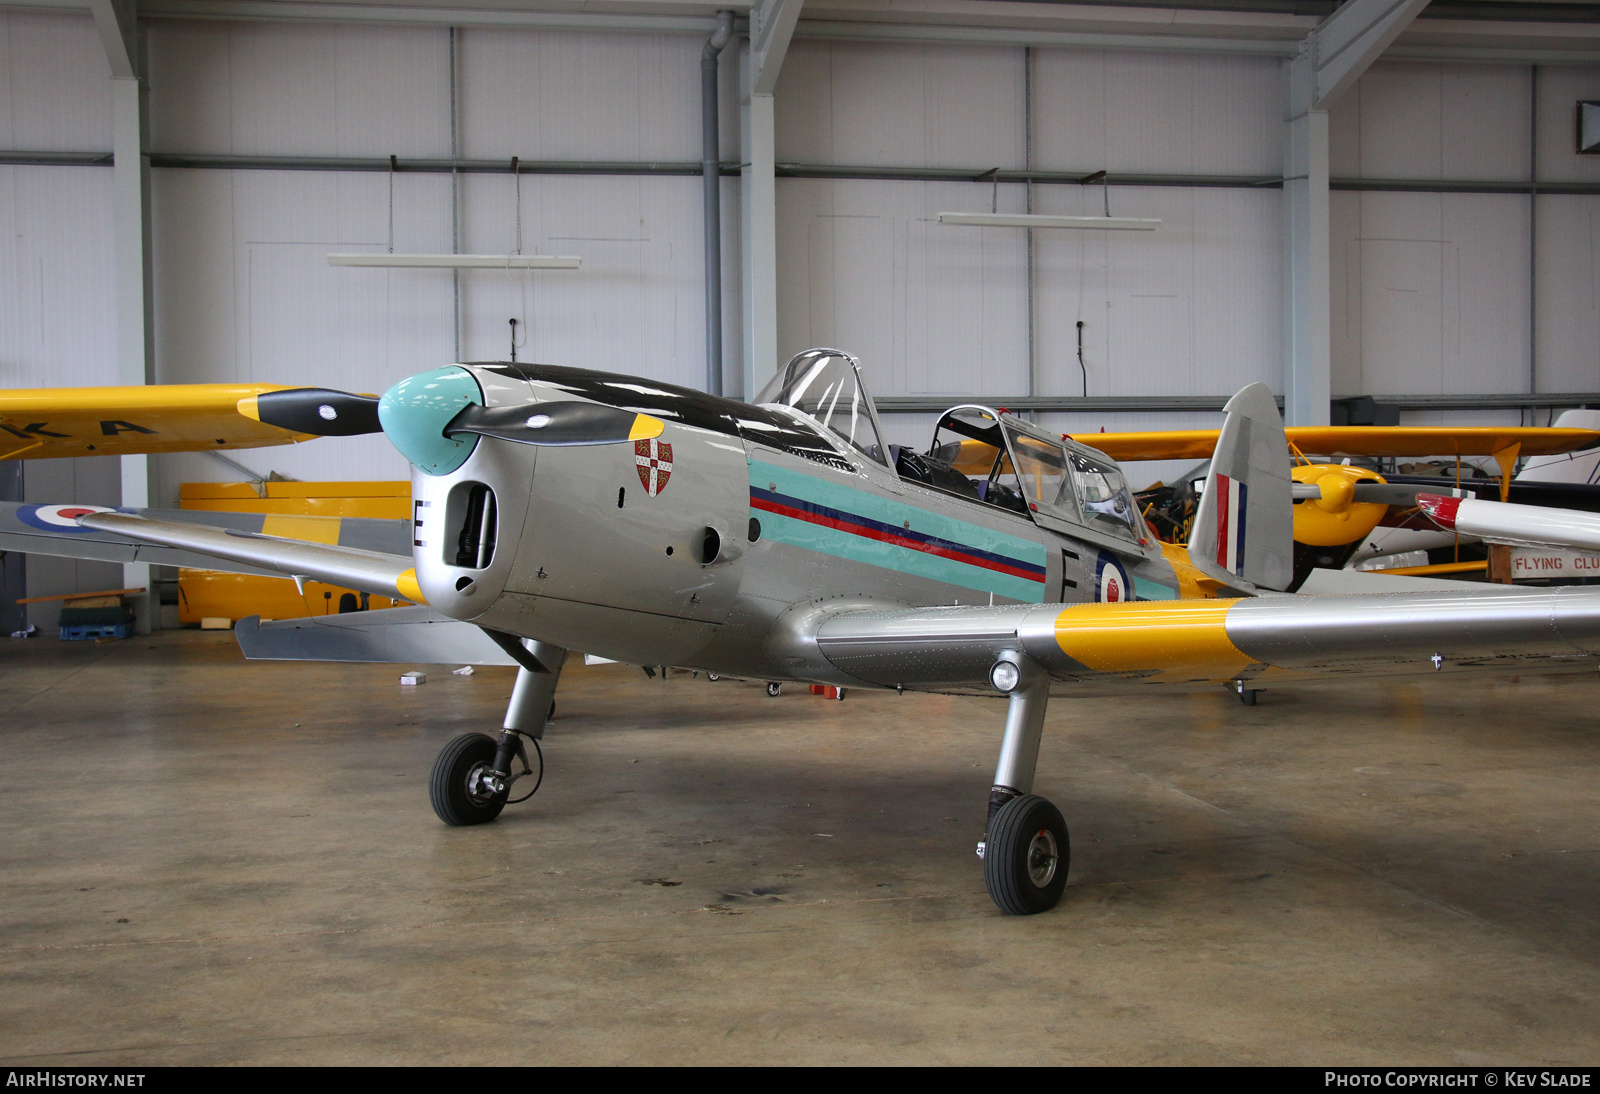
{"x":406,"y":585}
{"x":646,"y":427}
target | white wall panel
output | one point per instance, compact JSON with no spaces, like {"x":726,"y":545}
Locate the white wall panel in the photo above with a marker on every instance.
{"x":1191,"y":308}
{"x":1147,"y":112}
{"x":1430,"y":293}
{"x":304,"y":90}
{"x":567,"y":95}
{"x":635,"y":306}
{"x":1434,"y":121}
{"x":244,"y":293}
{"x":929,"y":308}
{"x":57,"y":299}
{"x":1569,"y":293}
{"x":900,"y":105}
{"x":54,"y":72}
{"x":1560,"y":88}
{"x":1472,"y":418}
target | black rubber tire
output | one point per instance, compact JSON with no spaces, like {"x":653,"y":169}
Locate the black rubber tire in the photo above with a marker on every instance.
{"x":774,"y":689}
{"x":447,"y":785}
{"x":1006,"y":854}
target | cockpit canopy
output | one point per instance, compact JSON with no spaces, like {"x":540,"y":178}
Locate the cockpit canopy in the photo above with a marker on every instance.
{"x":826,"y":386}
{"x":977,"y":453}
{"x":1002,"y":461}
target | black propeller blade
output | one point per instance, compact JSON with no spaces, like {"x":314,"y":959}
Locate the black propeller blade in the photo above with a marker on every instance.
{"x":316,"y":410}
{"x":573,"y":423}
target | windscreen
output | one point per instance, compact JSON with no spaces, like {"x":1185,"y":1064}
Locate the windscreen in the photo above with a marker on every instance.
{"x":1042,"y":468}
{"x":827,"y":387}
{"x":1103,"y":496}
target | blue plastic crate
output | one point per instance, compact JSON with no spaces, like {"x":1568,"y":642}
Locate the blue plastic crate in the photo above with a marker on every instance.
{"x":84,"y":632}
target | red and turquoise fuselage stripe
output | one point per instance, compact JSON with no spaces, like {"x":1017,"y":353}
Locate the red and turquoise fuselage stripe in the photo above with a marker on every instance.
{"x":834,"y":519}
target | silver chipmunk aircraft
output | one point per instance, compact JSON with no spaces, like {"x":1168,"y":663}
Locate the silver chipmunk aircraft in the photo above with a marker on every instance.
{"x":561,"y":508}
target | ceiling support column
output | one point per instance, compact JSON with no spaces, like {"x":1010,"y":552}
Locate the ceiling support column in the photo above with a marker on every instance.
{"x":772,"y":24}
{"x":1307,"y":304}
{"x":758,"y":209}
{"x":1331,"y":60}
{"x":130,"y":200}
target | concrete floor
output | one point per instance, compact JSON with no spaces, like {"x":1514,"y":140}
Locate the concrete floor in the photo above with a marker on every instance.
{"x":212,"y":862}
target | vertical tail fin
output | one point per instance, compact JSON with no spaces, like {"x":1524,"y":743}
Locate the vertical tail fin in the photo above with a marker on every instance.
{"x":1243,"y":534}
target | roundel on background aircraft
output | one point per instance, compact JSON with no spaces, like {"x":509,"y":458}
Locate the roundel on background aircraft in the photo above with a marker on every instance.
{"x":1112,"y":585}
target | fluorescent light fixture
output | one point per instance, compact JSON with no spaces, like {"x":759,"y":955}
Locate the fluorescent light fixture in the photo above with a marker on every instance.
{"x":1039,"y":220}
{"x":458,"y":262}
{"x":1588,"y":127}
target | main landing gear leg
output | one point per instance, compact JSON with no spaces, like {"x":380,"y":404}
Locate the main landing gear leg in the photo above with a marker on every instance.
{"x":1025,"y":850}
{"x":472,"y":778}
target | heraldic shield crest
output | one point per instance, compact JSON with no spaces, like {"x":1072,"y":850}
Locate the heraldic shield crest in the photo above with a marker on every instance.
{"x":654,"y":460}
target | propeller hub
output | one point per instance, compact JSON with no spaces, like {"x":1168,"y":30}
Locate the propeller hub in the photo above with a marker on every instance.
{"x":415,"y":411}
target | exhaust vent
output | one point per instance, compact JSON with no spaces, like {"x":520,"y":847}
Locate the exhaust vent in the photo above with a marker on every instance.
{"x":472,"y":516}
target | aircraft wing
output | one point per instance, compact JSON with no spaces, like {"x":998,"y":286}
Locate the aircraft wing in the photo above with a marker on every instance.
{"x":1354,"y":440}
{"x":1518,"y":525}
{"x":357,"y":553}
{"x":45,"y":423}
{"x":1202,"y":642}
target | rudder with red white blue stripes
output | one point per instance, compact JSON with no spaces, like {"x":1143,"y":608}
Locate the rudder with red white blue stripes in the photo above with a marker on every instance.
{"x":1233,"y":506}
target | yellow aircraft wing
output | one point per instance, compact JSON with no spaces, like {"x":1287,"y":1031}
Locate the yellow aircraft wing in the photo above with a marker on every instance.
{"x":44,"y":423}
{"x":1354,"y":440}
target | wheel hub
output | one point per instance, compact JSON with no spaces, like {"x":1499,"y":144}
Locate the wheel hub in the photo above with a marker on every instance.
{"x":1042,"y":858}
{"x":483,"y":784}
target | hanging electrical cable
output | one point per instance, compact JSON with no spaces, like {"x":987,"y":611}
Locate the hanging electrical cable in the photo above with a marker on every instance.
{"x":394,"y":165}
{"x":1081,"y":366}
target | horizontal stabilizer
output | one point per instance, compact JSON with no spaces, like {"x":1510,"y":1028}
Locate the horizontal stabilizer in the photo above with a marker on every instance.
{"x":408,"y":636}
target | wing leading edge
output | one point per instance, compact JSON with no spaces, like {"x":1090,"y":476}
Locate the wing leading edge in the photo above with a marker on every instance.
{"x":353,"y":568}
{"x":54,"y":530}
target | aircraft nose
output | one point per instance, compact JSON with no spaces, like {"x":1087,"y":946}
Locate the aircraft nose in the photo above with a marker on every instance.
{"x":415,"y":411}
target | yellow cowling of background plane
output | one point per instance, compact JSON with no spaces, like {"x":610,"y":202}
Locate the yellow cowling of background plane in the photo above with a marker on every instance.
{"x":1336,"y":518}
{"x":46,"y":423}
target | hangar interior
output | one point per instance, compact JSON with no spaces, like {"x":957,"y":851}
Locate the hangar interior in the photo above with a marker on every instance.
{"x":1449,"y":268}
{"x":1403,"y":213}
